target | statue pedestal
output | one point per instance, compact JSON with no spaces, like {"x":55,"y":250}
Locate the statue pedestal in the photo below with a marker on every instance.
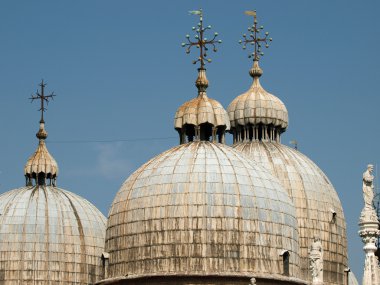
{"x":369,"y":232}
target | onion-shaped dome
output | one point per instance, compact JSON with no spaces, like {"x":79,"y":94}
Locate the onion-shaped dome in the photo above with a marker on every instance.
{"x":49,"y":236}
{"x":202,"y":209}
{"x":41,"y":162}
{"x":319,"y":210}
{"x":201,"y":117}
{"x":257,"y":113}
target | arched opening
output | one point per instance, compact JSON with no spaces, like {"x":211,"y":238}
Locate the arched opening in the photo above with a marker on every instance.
{"x":203,"y":132}
{"x":105,"y":264}
{"x":220,"y":131}
{"x":285,"y":262}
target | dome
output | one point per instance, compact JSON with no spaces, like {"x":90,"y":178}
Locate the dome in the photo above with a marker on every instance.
{"x":201,"y":118}
{"x":352,"y":279}
{"x":201,"y":110}
{"x":202,"y":208}
{"x":41,"y":161}
{"x":319,"y":211}
{"x":49,"y":235}
{"x":259,"y":109}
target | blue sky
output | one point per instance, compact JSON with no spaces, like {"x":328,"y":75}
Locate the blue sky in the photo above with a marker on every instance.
{"x":120,"y":74}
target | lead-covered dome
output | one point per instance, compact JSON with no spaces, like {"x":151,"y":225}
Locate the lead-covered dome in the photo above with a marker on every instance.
{"x":319,"y":210}
{"x":201,"y":208}
{"x":49,"y":235}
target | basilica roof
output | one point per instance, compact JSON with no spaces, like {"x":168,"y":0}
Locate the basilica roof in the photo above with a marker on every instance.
{"x":201,"y":208}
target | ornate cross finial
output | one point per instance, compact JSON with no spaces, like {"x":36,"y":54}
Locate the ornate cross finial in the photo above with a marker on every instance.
{"x":43,"y":98}
{"x":254,"y":39}
{"x":200,"y":41}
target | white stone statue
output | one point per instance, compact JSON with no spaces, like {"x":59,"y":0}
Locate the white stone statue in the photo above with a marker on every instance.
{"x":316,"y":261}
{"x":368,"y":187}
{"x":253,"y":281}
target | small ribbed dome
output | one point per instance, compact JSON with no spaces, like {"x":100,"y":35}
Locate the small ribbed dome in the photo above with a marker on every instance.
{"x":49,"y":236}
{"x":201,"y":118}
{"x":201,"y":208}
{"x":201,"y":110}
{"x":257,"y":107}
{"x":319,"y":210}
{"x":41,"y":165}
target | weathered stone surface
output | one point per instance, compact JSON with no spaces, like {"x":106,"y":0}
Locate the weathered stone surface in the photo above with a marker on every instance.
{"x":201,"y":208}
{"x":319,"y":211}
{"x":49,"y":236}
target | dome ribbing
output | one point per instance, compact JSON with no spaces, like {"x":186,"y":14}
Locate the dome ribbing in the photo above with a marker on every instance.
{"x":41,"y":165}
{"x":257,"y":114}
{"x":201,"y":118}
{"x":50,"y":236}
{"x":319,"y":210}
{"x":201,"y":208}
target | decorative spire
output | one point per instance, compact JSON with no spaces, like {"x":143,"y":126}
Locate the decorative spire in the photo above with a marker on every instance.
{"x":254,"y":39}
{"x":202,"y":118}
{"x":202,"y":43}
{"x":41,"y":165}
{"x":42,"y":134}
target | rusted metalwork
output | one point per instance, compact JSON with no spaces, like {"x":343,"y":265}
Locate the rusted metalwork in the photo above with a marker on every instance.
{"x":43,"y":98}
{"x":254,"y":39}
{"x":201,"y":42}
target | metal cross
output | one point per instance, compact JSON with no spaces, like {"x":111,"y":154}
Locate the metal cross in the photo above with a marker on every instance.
{"x":200,"y":41}
{"x":43,"y":98}
{"x":254,"y":39}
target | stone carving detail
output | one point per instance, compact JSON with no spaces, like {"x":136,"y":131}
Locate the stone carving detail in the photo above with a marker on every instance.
{"x":316,"y":261}
{"x":253,"y":281}
{"x":369,"y":230}
{"x":368,"y":187}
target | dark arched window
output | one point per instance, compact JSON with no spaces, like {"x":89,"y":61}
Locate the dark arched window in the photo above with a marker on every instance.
{"x":285,"y":262}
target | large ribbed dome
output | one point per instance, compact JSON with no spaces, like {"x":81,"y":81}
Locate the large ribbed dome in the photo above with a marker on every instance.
{"x":49,"y":236}
{"x":319,"y":211}
{"x":201,"y":208}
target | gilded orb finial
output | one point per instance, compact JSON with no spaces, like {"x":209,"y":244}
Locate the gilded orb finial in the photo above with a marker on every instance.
{"x":254,"y":39}
{"x":201,"y":42}
{"x":40,"y":95}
